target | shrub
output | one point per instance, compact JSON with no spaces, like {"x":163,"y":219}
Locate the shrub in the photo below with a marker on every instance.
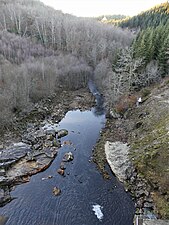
{"x":124,"y":103}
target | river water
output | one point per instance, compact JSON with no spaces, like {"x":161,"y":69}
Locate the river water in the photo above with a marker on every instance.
{"x":86,"y":198}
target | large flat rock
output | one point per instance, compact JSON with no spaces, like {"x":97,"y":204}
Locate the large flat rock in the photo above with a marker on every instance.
{"x":12,"y":154}
{"x":117,"y":157}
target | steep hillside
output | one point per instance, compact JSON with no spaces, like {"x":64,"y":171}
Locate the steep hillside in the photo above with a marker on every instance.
{"x":152,"y":44}
{"x":150,"y":18}
{"x":47,"y":51}
{"x":149,"y":138}
{"x":144,"y":129}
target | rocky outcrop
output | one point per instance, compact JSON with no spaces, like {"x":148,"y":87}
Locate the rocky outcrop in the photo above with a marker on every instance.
{"x":33,"y":142}
{"x":20,"y":161}
{"x":13,"y":153}
{"x":145,"y":128}
{"x":117,"y":157}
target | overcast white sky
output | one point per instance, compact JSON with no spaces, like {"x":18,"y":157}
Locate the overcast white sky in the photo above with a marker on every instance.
{"x":102,"y":7}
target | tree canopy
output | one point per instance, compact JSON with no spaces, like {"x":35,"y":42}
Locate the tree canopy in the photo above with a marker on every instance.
{"x":150,"y":18}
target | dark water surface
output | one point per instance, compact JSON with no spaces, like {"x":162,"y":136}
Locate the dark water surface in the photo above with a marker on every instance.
{"x":81,"y":189}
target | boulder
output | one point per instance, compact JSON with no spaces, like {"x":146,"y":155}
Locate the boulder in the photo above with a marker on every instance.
{"x":61,"y":172}
{"x":68,"y":157}
{"x":114,"y":114}
{"x":46,"y":178}
{"x":117,"y":157}
{"x":62,"y":166}
{"x":62,"y":133}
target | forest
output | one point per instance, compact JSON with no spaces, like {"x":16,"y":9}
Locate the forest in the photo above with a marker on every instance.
{"x":43,"y":51}
{"x":154,"y":17}
{"x":152,"y":41}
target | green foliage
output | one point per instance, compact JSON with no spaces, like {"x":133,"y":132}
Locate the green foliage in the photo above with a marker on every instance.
{"x":163,"y":57}
{"x":153,"y":44}
{"x":150,"y":18}
{"x":150,"y":153}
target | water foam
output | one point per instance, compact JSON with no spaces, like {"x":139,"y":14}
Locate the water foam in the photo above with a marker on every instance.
{"x":97,"y":209}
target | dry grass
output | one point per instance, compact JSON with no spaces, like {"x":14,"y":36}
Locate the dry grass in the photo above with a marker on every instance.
{"x":125,"y":102}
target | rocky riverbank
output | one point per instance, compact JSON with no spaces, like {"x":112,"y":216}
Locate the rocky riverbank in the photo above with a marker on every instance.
{"x":144,"y":131}
{"x":114,"y":149}
{"x":33,"y":141}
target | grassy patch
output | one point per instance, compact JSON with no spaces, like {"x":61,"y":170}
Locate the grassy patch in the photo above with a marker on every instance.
{"x":151,"y":157}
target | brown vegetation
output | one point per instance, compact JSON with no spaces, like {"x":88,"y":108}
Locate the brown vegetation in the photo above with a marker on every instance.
{"x":43,"y":51}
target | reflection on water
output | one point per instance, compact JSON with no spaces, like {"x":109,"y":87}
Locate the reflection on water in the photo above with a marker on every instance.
{"x":86,"y":198}
{"x":99,"y":108}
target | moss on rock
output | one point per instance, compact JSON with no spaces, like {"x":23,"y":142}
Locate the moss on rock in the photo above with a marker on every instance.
{"x":150,"y":148}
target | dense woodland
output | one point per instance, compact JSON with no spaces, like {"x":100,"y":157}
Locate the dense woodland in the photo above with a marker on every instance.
{"x":150,"y":18}
{"x":111,"y":18}
{"x":147,"y":59}
{"x":152,"y":42}
{"x":43,"y":51}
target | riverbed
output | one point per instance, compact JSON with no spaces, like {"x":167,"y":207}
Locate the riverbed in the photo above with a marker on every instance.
{"x":86,"y":198}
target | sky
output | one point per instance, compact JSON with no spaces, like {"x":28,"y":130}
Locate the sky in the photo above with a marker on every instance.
{"x":89,"y":8}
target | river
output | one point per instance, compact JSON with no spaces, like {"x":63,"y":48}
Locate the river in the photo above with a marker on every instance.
{"x":86,"y":198}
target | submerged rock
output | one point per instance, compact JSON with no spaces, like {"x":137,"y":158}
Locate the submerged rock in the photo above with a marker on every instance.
{"x":56,"y":191}
{"x":48,"y":177}
{"x":3,"y":220}
{"x":67,"y":143}
{"x":62,"y":166}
